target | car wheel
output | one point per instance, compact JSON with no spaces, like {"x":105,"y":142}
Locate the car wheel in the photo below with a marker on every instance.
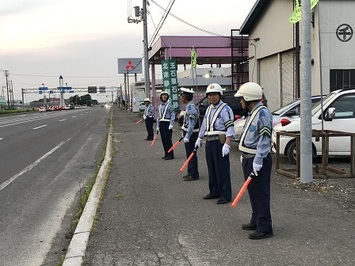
{"x":291,"y":152}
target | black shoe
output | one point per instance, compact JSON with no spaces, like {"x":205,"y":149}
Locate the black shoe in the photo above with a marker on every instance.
{"x":222,"y":201}
{"x":248,"y":226}
{"x":148,"y":139}
{"x":163,"y":157}
{"x":190,"y":178}
{"x":260,"y":235}
{"x":186,"y":176}
{"x":209,"y":196}
{"x":168,"y":158}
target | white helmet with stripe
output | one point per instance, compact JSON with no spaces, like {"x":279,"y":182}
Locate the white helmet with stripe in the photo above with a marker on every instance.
{"x":250,"y":91}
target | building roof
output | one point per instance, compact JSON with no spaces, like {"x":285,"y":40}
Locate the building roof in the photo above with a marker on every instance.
{"x":253,"y":16}
{"x":210,"y":49}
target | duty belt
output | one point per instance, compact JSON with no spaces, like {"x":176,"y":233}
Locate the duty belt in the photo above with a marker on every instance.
{"x":247,"y":155}
{"x":212,"y":137}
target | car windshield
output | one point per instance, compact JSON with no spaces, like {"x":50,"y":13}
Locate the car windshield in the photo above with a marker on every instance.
{"x":319,"y":105}
{"x":284,"y":108}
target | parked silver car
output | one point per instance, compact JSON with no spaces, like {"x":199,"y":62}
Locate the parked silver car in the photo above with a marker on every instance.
{"x":282,"y":115}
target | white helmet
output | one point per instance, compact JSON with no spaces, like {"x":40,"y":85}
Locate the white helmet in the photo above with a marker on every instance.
{"x":146,"y":100}
{"x":186,"y":90}
{"x":164,"y":92}
{"x":250,"y":91}
{"x":214,"y":87}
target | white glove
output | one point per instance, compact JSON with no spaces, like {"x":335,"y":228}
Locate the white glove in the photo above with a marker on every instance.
{"x":225,"y":149}
{"x":144,"y":117}
{"x":256,"y":168}
{"x":170,"y":127}
{"x":157,"y":130}
{"x":186,"y":140}
{"x":241,"y":159}
{"x":198,"y":143}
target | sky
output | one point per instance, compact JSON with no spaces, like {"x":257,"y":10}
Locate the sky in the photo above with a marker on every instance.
{"x":81,"y":40}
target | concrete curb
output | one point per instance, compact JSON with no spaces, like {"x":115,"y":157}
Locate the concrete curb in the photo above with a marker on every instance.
{"x":78,"y":244}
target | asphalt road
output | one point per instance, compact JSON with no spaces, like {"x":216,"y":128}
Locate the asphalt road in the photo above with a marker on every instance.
{"x":46,"y":160}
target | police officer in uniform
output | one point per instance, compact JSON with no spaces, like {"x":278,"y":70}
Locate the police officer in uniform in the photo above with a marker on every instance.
{"x":148,"y":116}
{"x":255,"y":145}
{"x":190,"y":127}
{"x":165,"y":124}
{"x":217,"y":126}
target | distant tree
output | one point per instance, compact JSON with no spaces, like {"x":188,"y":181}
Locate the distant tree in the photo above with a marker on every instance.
{"x":85,"y":99}
{"x":74,"y":99}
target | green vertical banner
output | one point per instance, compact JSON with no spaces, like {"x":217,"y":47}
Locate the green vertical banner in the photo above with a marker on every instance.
{"x":193,"y":57}
{"x":170,"y":81}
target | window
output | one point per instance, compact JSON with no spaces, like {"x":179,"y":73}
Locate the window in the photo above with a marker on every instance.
{"x":342,"y":79}
{"x":344,"y":106}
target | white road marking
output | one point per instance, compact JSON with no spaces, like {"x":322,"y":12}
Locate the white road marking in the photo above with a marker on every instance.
{"x":39,"y":127}
{"x":61,"y":120}
{"x":28,"y":168}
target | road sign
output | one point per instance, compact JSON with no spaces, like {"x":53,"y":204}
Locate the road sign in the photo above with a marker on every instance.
{"x":129,"y":65}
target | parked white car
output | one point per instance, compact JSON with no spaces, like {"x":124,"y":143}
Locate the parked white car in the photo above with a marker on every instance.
{"x":141,"y":106}
{"x":336,"y":112}
{"x":288,"y":112}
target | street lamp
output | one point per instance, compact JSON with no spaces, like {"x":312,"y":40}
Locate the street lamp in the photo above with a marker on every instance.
{"x":60,"y":81}
{"x":61,"y":88}
{"x":44,"y":97}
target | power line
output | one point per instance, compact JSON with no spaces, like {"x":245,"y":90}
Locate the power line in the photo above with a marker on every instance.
{"x":162,"y":20}
{"x":187,"y":23}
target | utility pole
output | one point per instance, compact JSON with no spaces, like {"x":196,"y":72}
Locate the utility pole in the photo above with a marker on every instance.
{"x":7,"y":87}
{"x":145,"y":44}
{"x":306,"y":171}
{"x":142,"y":16}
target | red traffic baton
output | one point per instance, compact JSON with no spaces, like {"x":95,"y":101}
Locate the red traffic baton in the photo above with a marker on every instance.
{"x":188,"y":160}
{"x":139,"y":121}
{"x":175,"y":144}
{"x":155,"y":137}
{"x":242,"y":190}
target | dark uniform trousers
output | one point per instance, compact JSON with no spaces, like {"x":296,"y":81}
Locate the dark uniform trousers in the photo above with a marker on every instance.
{"x":149,"y":125}
{"x":192,"y":168}
{"x":166,"y":136}
{"x":259,"y":193}
{"x":218,"y":170}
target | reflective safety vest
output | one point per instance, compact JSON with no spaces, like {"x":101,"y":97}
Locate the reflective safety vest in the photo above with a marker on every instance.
{"x":210,"y":122}
{"x":184,"y":124}
{"x":241,"y":146}
{"x":162,"y":115}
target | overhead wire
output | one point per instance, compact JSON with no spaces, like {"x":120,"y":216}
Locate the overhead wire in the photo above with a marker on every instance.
{"x":187,"y":23}
{"x":162,"y":20}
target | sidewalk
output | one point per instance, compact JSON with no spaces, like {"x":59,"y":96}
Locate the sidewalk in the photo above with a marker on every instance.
{"x":150,"y":216}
